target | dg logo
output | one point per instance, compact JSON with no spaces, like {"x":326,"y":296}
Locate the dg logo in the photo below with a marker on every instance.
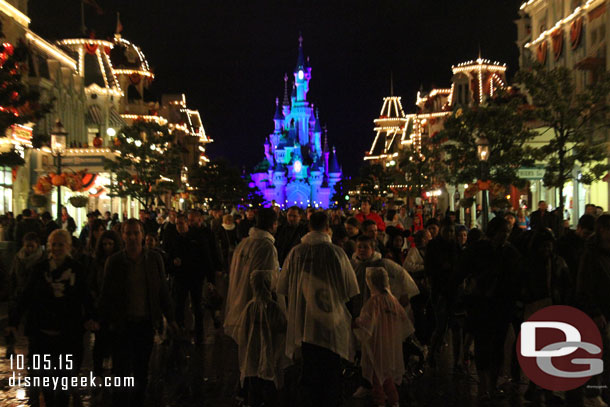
{"x":560,"y":348}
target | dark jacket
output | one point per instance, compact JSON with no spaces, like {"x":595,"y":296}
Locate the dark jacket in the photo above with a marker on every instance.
{"x":536,"y":276}
{"x":539,"y":219}
{"x":55,"y":301}
{"x":195,"y":258}
{"x":493,"y":276}
{"x":441,"y":265}
{"x":113,"y":299}
{"x":243,"y":228}
{"x":593,"y":280}
{"x":286,"y":238}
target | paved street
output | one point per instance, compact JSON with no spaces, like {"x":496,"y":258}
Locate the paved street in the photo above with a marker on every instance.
{"x":187,"y":375}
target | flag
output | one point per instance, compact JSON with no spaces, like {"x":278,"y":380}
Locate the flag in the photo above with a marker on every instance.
{"x":94,"y":4}
{"x":119,"y":26}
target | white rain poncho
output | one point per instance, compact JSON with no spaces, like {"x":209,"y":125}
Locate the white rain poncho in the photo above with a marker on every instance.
{"x":381,"y":329}
{"x":262,"y":333}
{"x":401,"y":282}
{"x":256,"y":252}
{"x":318,"y":280}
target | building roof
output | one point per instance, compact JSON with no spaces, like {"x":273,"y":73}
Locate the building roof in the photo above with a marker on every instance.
{"x":333,"y":165}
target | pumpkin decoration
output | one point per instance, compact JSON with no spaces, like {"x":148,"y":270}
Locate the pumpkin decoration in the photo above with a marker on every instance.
{"x":58,"y":180}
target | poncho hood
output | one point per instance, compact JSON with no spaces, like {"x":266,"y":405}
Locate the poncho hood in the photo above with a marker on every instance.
{"x":316,"y":238}
{"x":256,"y":233}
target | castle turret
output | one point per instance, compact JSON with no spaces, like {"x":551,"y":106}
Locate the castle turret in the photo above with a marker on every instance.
{"x":286,"y":101}
{"x":278,"y":118}
{"x":334,"y":170}
{"x":302,"y":74}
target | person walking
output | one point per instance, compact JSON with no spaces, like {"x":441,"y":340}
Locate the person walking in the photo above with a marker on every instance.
{"x":318,"y":281}
{"x":134,"y":300}
{"x":382,"y":327}
{"x":59,"y":308}
{"x":256,"y":252}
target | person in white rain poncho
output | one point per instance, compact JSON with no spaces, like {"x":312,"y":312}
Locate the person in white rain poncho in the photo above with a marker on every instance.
{"x":318,"y":281}
{"x":261,"y":341}
{"x":402,"y":286}
{"x":381,"y":328}
{"x":256,"y":252}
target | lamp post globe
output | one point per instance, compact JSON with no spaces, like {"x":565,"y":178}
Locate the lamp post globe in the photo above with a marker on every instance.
{"x":483,"y":153}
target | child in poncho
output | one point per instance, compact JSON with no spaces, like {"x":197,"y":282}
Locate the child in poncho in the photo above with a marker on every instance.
{"x":262,"y":343}
{"x":381,"y":328}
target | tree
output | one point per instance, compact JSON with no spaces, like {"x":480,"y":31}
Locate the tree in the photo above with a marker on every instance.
{"x":376,"y":179}
{"x":19,"y":104}
{"x":503,"y":122}
{"x":421,"y":163}
{"x":222,"y":183}
{"x":147,"y":163}
{"x":574,"y":121}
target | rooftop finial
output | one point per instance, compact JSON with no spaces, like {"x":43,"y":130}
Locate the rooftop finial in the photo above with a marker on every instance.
{"x":277,"y":101}
{"x":300,"y":40}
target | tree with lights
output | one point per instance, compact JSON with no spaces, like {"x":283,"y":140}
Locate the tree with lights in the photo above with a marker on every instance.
{"x":18,"y":103}
{"x":220,"y":183}
{"x":501,"y":120}
{"x":148,"y":162}
{"x":573,"y":121}
{"x":421,"y":163}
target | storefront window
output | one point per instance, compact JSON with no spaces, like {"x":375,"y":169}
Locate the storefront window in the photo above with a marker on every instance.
{"x":6,"y":190}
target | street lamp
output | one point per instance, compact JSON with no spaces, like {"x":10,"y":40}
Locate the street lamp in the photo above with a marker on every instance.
{"x":58,"y":147}
{"x":483,"y":154}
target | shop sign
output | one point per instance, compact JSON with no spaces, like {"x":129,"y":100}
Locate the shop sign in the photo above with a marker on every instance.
{"x":531,"y":173}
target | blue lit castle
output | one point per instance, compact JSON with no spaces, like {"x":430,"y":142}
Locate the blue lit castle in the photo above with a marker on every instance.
{"x":298,"y":169}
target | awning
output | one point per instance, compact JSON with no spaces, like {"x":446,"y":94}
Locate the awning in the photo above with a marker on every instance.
{"x":94,"y":115}
{"x":115,"y":119}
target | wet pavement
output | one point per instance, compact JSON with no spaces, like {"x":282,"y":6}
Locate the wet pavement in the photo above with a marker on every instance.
{"x":182,"y":374}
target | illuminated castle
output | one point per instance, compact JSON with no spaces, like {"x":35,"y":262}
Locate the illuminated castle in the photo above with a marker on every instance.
{"x":298,"y":169}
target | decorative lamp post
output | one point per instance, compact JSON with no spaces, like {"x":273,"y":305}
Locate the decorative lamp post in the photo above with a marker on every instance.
{"x":483,"y":154}
{"x":58,"y":147}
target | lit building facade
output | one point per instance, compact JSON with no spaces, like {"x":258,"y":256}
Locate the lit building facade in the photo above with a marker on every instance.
{"x":299,"y":169}
{"x":471,"y":83}
{"x":573,"y":34}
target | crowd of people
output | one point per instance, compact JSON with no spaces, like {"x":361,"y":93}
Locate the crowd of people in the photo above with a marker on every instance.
{"x":381,"y":293}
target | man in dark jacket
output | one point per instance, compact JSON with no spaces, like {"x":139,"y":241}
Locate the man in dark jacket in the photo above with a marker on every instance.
{"x":289,"y":234}
{"x":244,"y":226}
{"x":542,"y":218}
{"x":190,"y":263}
{"x":133,"y":301}
{"x":48,"y":226}
{"x":441,"y":265}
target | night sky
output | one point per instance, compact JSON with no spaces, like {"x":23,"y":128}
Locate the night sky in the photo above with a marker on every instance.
{"x":229,"y":57}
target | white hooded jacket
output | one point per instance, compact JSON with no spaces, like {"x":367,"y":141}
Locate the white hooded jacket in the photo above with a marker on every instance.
{"x":318,"y":280}
{"x":256,"y":252}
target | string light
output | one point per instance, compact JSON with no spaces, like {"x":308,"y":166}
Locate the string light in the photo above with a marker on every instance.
{"x":159,"y":119}
{"x":133,"y":71}
{"x":83,"y":41}
{"x":50,"y":49}
{"x":576,"y":13}
{"x":13,"y":12}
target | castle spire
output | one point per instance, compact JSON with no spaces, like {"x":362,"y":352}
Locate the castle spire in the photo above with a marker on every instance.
{"x":286,"y":101}
{"x":301,"y":56}
{"x":278,"y":112}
